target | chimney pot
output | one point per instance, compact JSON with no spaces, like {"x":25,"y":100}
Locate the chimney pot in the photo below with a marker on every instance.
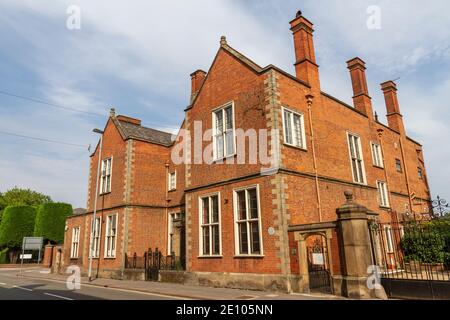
{"x":361,"y":98}
{"x":395,"y":119}
{"x":197,"y":79}
{"x":306,"y":68}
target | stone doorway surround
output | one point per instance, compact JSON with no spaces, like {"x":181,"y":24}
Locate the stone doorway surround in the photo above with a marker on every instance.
{"x":301,"y":235}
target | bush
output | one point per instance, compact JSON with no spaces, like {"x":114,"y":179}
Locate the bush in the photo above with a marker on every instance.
{"x":17,"y":222}
{"x":51,"y":221}
{"x":427,"y":244}
{"x":4,"y":256}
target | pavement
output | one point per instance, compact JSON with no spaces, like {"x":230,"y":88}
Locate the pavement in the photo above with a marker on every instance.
{"x":37,"y":283}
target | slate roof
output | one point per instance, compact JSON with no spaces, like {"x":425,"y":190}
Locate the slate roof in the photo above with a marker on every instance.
{"x":79,"y":211}
{"x":131,"y":130}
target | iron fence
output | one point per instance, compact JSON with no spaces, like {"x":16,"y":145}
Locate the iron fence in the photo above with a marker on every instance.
{"x":413,"y":257}
{"x":153,"y":261}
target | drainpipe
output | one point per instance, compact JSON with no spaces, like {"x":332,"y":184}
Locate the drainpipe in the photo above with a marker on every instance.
{"x":406,"y":177}
{"x":380,"y":135}
{"x":167,"y":206}
{"x":309,"y":99}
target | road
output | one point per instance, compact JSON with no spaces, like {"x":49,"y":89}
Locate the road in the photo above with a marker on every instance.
{"x":13,"y":287}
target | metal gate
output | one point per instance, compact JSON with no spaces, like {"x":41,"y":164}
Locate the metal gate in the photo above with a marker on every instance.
{"x":152,"y":262}
{"x":156,"y":261}
{"x":318,"y":267}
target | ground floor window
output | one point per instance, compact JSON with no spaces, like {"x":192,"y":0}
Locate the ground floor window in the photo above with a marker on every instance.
{"x":75,"y":243}
{"x":247,"y":221}
{"x":111,"y":235}
{"x":210,"y":225}
{"x":95,"y":238}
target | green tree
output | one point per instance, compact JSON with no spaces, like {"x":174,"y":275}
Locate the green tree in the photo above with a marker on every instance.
{"x":21,"y":197}
{"x":18,"y":222}
{"x":51,"y":221}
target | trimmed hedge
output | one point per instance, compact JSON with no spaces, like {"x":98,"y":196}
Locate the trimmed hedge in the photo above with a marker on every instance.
{"x":17,"y":222}
{"x":4,"y":256}
{"x":51,"y":221}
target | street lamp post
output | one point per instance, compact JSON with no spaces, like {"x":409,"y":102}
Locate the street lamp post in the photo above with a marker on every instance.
{"x":92,"y":249}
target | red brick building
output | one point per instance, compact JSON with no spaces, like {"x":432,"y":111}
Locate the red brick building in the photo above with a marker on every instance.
{"x":239,"y":225}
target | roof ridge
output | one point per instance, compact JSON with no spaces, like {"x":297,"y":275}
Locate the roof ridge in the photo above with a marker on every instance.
{"x":242,"y":57}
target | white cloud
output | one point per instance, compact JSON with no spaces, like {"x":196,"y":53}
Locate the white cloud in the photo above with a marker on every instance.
{"x":153,"y":46}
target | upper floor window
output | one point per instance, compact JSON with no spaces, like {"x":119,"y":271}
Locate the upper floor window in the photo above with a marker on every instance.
{"x":383,"y":199}
{"x":210,"y":225}
{"x":376,"y":155}
{"x":75,"y":243}
{"x":357,"y":162}
{"x":95,"y":237}
{"x":398,"y":165}
{"x":247,"y":222}
{"x":105,"y":180}
{"x":420,"y":172}
{"x":111,"y":235}
{"x":172,"y":180}
{"x":294,"y":129}
{"x":223,"y":132}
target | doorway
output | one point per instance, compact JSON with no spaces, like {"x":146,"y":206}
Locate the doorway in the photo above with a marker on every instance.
{"x":318,"y":264}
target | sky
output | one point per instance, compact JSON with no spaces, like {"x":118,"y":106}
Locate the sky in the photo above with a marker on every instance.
{"x":137,"y":56}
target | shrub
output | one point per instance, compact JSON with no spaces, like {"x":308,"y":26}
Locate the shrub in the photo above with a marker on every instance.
{"x":51,"y":221}
{"x":429,"y":243}
{"x":17,"y":222}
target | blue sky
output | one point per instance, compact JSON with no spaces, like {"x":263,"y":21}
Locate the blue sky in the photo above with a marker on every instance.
{"x":137,"y":56}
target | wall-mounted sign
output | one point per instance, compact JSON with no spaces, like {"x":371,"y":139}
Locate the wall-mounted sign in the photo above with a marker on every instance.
{"x":318,"y":258}
{"x":271,"y":231}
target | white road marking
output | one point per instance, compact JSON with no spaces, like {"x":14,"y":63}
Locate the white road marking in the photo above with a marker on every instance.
{"x":56,"y":296}
{"x":2,"y":284}
{"x":115,"y":289}
{"x":22,"y":288}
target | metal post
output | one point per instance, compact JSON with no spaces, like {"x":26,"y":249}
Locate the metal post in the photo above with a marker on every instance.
{"x":21,"y":258}
{"x":95,"y":209}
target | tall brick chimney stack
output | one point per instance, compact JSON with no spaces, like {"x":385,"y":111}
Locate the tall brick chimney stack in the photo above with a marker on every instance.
{"x":394,"y":117}
{"x":197,"y":79}
{"x":306,"y":68}
{"x":361,"y":98}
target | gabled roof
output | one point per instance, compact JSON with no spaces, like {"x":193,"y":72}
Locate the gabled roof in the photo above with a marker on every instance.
{"x":247,"y":62}
{"x":130,"y":130}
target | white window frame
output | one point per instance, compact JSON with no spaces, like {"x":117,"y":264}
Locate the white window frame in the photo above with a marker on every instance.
{"x":209,"y":225}
{"x":75,"y":246}
{"x":224,"y":133}
{"x":383,"y":194}
{"x":172,"y":181}
{"x":110,"y":253}
{"x":106,"y":176}
{"x":95,"y":237}
{"x":361,"y":177}
{"x":302,"y":144}
{"x":377,"y":155}
{"x":389,"y":239}
{"x":236,"y":222}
